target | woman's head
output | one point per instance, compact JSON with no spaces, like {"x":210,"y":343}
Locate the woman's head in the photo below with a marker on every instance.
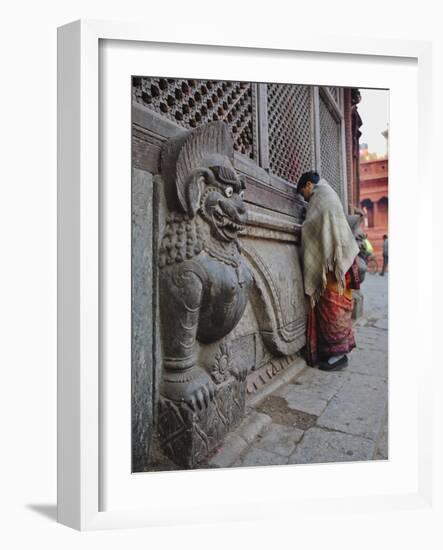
{"x":306,"y":183}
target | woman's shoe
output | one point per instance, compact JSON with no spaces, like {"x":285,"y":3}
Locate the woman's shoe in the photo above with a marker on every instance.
{"x":337,"y":365}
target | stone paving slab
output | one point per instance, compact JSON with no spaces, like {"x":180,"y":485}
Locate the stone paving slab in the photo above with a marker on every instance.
{"x":369,"y":345}
{"x":369,"y":331}
{"x":322,"y":384}
{"x":305,"y":401}
{"x":358,"y":408}
{"x":319,"y":445}
{"x":278,"y":409}
{"x":369,"y":362}
{"x":279,"y":439}
{"x":381,"y":452}
{"x":382,"y":323}
{"x":366,"y":346}
{"x":370,"y":335}
{"x":251,"y":429}
{"x":260,"y":457}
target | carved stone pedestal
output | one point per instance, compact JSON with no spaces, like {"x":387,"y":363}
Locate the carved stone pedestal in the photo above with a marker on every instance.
{"x":189,"y":436}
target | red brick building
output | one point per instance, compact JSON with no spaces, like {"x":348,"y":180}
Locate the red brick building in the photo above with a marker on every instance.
{"x":374,"y":202}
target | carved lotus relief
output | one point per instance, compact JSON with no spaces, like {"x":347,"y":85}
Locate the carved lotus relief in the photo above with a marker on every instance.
{"x":220,"y":369}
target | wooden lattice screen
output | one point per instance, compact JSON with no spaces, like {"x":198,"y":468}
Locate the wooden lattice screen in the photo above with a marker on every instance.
{"x":298,"y":132}
{"x":330,"y":146}
{"x":190,"y":103}
{"x":291,"y":147}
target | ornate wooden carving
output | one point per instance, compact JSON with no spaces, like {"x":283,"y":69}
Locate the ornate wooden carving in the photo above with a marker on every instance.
{"x":192,"y":103}
{"x":291,"y":150}
{"x":330,"y":146}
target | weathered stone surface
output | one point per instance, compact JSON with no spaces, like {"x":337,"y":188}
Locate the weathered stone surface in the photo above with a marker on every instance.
{"x":368,"y":343}
{"x":358,"y":408}
{"x":382,"y":323}
{"x":233,"y":446}
{"x":265,"y":380}
{"x":305,"y":401}
{"x":259,"y":457}
{"x":253,"y":425}
{"x":370,"y":362}
{"x":367,"y":337}
{"x":143,"y":364}
{"x":243,"y":352}
{"x":319,"y":445}
{"x":188,"y":435}
{"x":377,"y":292}
{"x":278,"y":409}
{"x":279,"y":439}
{"x":319,"y":383}
{"x":358,"y":310}
{"x":277,"y":296}
{"x":382,"y":452}
{"x":237,"y":442}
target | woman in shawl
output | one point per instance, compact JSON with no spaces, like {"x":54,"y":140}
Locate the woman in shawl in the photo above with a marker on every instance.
{"x":329,"y":251}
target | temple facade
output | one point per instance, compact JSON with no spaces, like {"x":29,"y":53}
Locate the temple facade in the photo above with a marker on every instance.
{"x":218,"y":307}
{"x":374,"y":202}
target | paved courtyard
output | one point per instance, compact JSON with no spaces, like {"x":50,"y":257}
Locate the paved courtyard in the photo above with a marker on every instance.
{"x":324,"y":416}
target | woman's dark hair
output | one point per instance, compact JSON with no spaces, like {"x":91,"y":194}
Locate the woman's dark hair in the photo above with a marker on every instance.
{"x":304,"y":178}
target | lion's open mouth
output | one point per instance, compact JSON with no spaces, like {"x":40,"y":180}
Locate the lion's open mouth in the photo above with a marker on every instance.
{"x":227,"y":225}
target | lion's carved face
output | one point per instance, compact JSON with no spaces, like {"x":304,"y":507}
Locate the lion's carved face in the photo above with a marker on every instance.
{"x":222,"y":206}
{"x":216,"y":210}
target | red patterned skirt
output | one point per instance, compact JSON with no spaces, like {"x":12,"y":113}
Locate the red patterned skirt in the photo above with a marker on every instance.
{"x":329,"y":330}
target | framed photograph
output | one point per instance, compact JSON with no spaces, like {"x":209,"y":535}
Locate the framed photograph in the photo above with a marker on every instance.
{"x":203,"y":375}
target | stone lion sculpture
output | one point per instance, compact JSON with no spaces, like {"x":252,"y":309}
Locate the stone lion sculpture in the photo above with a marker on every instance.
{"x":204,"y":281}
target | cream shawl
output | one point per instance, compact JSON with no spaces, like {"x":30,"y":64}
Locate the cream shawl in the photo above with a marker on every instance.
{"x":327,"y":242}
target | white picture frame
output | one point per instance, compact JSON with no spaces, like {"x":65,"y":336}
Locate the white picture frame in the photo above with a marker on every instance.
{"x":82,"y":414}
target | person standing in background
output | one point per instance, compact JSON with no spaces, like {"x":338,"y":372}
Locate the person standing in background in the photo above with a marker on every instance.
{"x":385,"y":254}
